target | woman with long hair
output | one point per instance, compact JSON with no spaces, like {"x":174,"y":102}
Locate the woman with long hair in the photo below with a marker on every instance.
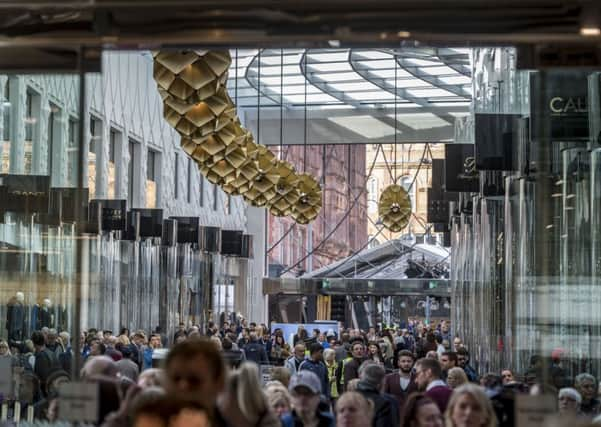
{"x":470,"y":407}
{"x":421,"y":411}
{"x":280,"y":351}
{"x":375,"y":354}
{"x":244,"y":404}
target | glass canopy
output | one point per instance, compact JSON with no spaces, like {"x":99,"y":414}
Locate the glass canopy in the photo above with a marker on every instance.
{"x":352,"y":95}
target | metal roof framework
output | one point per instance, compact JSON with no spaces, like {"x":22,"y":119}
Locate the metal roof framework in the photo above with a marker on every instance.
{"x":350,"y":95}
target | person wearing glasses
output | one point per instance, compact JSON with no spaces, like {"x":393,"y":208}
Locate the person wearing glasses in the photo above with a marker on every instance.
{"x":428,"y":374}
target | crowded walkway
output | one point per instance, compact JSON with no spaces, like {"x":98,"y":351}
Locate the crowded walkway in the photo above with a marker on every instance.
{"x":244,"y":374}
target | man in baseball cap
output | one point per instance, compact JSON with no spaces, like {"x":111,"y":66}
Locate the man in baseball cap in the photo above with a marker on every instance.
{"x":305,"y":389}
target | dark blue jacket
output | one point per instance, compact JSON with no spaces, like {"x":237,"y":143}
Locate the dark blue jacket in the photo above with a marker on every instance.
{"x":292,"y":420}
{"x":320,"y":369}
{"x":255,"y":352}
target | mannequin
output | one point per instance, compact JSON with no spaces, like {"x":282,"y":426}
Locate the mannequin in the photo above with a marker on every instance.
{"x":15,"y":318}
{"x":45,"y":317}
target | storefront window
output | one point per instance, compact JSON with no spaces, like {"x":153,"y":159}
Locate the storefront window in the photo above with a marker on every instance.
{"x":176,"y":179}
{"x":152,"y":179}
{"x":31,"y":125}
{"x":190,"y":170}
{"x":6,"y":131}
{"x":114,"y":141}
{"x":93,"y":150}
{"x":133,"y":165}
{"x":72,"y":151}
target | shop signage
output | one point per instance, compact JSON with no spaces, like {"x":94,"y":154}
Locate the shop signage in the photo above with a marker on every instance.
{"x":460,"y":168}
{"x":78,"y":402}
{"x":559,"y":106}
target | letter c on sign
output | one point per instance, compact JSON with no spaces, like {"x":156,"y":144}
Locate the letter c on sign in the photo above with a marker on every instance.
{"x":555,"y":101}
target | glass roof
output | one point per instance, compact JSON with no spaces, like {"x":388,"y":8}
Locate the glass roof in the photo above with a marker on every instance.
{"x":428,"y":88}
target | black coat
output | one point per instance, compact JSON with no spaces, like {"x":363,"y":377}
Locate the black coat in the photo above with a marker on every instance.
{"x":386,"y":407}
{"x":15,"y":321}
{"x":255,"y":352}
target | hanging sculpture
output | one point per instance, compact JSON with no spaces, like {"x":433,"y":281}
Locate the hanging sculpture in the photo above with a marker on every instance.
{"x":309,"y":202}
{"x":394,"y":207}
{"x":192,"y":85}
{"x":262,"y":189}
{"x":287,"y":193}
{"x":248,"y":171}
{"x":189,"y":77}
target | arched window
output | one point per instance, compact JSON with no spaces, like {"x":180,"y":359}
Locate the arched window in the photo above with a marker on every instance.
{"x":373,"y":194}
{"x":406,"y":184}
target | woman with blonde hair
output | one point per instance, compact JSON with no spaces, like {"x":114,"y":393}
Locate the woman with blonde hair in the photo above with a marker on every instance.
{"x":243,"y":403}
{"x":354,"y":410}
{"x":456,"y":377}
{"x":123,"y":340}
{"x":278,"y":398}
{"x":470,"y":407}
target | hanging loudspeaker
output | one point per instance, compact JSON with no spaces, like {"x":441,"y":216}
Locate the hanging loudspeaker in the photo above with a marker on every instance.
{"x":394,"y":207}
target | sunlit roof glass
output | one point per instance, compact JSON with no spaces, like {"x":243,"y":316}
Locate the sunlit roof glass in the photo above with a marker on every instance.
{"x":354,"y":78}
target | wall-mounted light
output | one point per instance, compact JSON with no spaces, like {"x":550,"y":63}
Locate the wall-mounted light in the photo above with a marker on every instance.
{"x":590,"y":22}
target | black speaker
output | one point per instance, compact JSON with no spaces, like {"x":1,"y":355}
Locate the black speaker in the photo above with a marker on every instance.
{"x":188,"y":228}
{"x":110,"y":213}
{"x":144,"y":223}
{"x":231,"y":242}
{"x":210,"y":239}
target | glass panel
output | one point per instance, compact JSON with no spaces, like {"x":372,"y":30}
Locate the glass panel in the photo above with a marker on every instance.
{"x":39,"y":228}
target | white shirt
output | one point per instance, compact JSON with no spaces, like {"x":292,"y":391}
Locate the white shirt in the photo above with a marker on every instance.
{"x":436,"y":383}
{"x":405,"y":383}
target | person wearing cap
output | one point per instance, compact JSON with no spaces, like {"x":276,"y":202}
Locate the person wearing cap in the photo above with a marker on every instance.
{"x":305,"y":390}
{"x":569,"y":401}
{"x":316,"y":365}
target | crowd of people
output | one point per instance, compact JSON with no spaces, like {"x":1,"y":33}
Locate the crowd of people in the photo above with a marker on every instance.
{"x":419,"y":376}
